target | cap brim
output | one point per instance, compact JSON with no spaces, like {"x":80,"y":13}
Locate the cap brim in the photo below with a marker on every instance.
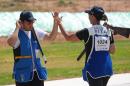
{"x":87,"y":11}
{"x":31,"y":19}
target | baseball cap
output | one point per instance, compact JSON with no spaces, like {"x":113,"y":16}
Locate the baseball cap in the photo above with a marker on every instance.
{"x":26,"y":15}
{"x":97,"y":11}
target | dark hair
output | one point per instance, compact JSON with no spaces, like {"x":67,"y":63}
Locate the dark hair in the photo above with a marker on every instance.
{"x":104,"y":18}
{"x":101,"y":17}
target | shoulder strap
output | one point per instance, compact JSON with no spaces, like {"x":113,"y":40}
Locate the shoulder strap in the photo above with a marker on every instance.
{"x":83,"y":52}
{"x":35,"y":36}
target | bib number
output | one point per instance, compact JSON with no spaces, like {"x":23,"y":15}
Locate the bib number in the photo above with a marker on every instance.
{"x":102,"y":43}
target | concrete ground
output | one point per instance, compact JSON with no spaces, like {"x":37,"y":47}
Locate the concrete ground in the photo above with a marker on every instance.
{"x":115,"y":80}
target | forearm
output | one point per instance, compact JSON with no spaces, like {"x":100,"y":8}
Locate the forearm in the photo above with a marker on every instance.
{"x":69,"y":37}
{"x":13,"y":38}
{"x":65,"y":34}
{"x":112,"y":49}
{"x":53,"y":34}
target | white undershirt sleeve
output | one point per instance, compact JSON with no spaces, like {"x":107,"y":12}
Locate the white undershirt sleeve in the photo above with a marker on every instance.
{"x":17,"y":42}
{"x":40,"y":34}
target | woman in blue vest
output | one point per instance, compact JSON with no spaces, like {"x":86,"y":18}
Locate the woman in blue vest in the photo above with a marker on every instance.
{"x":99,"y":43}
{"x":28,"y":70}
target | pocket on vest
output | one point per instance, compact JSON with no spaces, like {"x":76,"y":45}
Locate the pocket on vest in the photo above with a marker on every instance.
{"x":42,"y":71}
{"x":23,"y":70}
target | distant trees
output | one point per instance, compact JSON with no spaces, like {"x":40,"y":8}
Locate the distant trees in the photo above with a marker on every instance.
{"x":23,"y":0}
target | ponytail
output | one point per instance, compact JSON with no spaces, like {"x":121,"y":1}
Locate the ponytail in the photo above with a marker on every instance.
{"x":104,"y":17}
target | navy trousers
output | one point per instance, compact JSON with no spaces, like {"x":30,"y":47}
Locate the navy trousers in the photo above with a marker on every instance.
{"x":97,"y":82}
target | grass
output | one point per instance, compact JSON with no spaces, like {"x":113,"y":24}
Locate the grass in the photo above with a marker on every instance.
{"x":62,"y":60}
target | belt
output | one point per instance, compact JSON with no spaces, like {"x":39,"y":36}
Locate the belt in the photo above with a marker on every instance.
{"x":21,"y":57}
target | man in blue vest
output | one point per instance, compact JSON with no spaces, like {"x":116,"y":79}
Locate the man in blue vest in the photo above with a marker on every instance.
{"x":28,"y":70}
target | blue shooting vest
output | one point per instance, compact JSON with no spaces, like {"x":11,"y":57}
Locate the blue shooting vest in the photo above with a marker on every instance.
{"x":24,"y":67}
{"x":99,"y":62}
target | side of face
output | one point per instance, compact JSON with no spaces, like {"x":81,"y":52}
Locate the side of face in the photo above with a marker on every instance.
{"x":92,"y":19}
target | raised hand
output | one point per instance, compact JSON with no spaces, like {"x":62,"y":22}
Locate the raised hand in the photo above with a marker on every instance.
{"x":56,"y":17}
{"x":18,"y":24}
{"x":107,"y":25}
{"x":55,"y":14}
{"x":114,"y":30}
